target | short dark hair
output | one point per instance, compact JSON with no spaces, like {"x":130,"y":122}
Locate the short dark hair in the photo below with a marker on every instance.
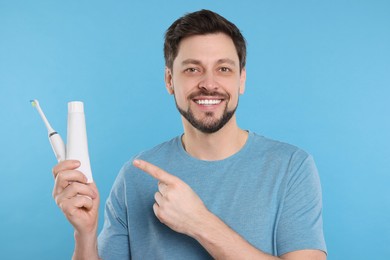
{"x":200,"y":23}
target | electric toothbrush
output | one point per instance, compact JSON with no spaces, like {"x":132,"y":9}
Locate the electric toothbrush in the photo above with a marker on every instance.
{"x":55,"y":139}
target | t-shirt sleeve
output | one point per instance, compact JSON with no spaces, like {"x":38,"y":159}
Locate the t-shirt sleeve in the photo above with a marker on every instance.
{"x":113,"y":241}
{"x":300,"y":224}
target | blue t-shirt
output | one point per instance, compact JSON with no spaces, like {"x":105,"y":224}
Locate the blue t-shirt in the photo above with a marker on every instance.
{"x":268,"y":192}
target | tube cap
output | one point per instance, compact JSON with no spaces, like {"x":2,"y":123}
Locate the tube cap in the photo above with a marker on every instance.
{"x":76,"y":107}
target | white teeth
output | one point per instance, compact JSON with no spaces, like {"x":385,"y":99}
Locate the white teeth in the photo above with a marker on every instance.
{"x":208,"y":101}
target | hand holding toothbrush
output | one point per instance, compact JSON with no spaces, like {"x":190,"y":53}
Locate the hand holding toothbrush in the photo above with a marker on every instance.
{"x":74,"y":190}
{"x":79,"y":201}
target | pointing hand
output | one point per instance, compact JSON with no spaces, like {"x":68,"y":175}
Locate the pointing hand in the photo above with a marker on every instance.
{"x":176,"y":204}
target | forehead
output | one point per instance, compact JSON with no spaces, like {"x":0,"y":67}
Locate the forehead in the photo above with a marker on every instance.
{"x":207,"y":48}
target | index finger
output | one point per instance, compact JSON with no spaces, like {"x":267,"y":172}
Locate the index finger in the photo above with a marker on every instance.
{"x":65,"y":165}
{"x":155,"y":171}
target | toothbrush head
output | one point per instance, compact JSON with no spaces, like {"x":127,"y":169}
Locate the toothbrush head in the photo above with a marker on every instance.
{"x":34,"y":102}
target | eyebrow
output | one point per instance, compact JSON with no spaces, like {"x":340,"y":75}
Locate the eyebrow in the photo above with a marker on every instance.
{"x":198,"y":62}
{"x":190,"y":61}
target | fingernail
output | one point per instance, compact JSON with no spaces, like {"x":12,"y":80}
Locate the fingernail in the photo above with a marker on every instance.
{"x":136,"y":162}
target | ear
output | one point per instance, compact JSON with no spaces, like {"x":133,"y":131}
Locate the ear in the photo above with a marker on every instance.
{"x":169,"y":80}
{"x":242,"y":81}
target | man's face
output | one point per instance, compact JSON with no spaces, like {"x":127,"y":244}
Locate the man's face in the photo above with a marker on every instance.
{"x":206,"y":80}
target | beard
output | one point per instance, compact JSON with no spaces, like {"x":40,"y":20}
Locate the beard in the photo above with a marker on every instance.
{"x":209,"y":124}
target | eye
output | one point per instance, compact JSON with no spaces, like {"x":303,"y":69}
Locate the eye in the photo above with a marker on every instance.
{"x":191,"y":70}
{"x":225,"y":69}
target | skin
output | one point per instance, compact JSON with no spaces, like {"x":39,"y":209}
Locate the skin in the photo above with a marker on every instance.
{"x":205,"y":64}
{"x":81,"y":211}
{"x":209,"y":63}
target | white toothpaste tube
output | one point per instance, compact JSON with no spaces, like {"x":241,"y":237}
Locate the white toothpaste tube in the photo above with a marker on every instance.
{"x":77,"y":144}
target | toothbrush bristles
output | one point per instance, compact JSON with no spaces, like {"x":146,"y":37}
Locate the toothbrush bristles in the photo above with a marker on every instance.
{"x":33,"y":103}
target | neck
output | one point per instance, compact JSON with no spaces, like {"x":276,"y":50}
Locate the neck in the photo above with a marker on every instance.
{"x":216,"y":146}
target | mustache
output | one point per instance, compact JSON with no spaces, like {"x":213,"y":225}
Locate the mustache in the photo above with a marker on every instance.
{"x":204,"y":92}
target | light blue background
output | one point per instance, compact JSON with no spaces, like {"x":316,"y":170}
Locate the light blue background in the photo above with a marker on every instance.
{"x":318,"y":77}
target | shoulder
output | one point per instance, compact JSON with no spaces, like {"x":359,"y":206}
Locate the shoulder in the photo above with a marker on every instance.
{"x":160,"y":153}
{"x":285,"y":161}
{"x":276,"y":149}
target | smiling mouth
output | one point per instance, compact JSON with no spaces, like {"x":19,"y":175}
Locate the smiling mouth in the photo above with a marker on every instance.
{"x":208,"y":102}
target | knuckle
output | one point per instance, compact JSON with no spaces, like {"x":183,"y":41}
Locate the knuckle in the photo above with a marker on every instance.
{"x":59,"y":201}
{"x":75,"y":188}
{"x":61,"y":205}
{"x":168,"y":196}
{"x":70,"y":213}
{"x":87,"y":202}
{"x":156,"y":171}
{"x":60,"y":176}
{"x":162,"y":174}
{"x":161,"y":216}
{"x":66,"y":208}
{"x":54,"y":171}
{"x":54,"y":194}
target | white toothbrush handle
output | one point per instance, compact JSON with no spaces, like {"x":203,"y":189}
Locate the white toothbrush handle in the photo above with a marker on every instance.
{"x":58,"y":146}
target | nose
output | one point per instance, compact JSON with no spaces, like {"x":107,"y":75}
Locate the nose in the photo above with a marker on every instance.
{"x":208,"y":82}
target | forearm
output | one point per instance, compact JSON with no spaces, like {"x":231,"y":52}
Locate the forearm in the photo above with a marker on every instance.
{"x":85,"y":247}
{"x":224,"y":243}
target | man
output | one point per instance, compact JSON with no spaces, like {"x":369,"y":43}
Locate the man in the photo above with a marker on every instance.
{"x":217,"y":191}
